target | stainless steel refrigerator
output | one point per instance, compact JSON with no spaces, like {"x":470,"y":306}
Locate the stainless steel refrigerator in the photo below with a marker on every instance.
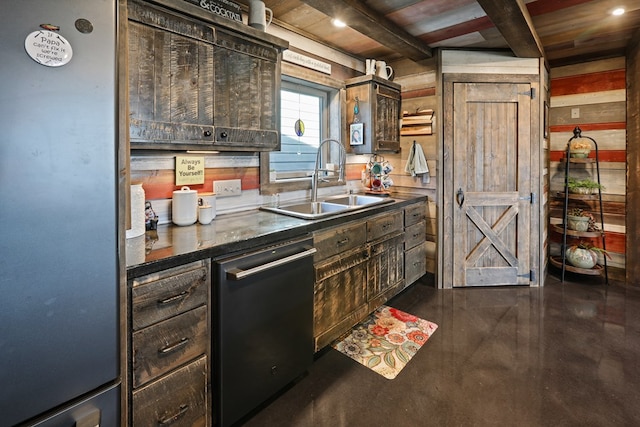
{"x":59,"y":269}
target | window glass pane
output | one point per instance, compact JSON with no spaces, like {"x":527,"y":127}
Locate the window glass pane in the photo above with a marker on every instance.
{"x":296,"y":158}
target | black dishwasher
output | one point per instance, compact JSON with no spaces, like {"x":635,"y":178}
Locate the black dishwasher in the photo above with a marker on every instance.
{"x":263,"y":323}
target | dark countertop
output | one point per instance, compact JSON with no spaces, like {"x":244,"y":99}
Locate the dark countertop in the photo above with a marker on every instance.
{"x":172,"y":245}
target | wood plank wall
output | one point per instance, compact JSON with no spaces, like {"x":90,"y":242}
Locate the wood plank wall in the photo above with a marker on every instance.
{"x":633,"y":161}
{"x":597,"y":91}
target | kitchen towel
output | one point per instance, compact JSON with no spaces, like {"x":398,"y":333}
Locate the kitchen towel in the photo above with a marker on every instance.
{"x":137,"y":212}
{"x":416,"y":163}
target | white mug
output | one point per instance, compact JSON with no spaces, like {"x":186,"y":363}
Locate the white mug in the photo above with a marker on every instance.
{"x":370,"y":67}
{"x":205,"y":214}
{"x":257,"y":15}
{"x":383,"y":70}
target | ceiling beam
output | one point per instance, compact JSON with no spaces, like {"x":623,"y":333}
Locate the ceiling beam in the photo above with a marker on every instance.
{"x":513,"y":21}
{"x":374,"y":25}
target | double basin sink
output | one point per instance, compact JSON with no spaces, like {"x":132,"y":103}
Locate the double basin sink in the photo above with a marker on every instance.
{"x":330,"y":206}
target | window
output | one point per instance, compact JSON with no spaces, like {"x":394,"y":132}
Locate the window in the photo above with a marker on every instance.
{"x":302,"y":127}
{"x":306,"y":111}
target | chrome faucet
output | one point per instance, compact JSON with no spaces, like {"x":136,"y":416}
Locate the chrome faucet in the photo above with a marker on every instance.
{"x":342,"y":162}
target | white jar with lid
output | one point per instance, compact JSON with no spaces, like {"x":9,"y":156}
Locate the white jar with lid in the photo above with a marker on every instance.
{"x":184,"y":206}
{"x":208,"y":199}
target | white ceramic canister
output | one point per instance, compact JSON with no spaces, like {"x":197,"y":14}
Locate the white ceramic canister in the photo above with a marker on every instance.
{"x":184,"y":206}
{"x":208,"y":199}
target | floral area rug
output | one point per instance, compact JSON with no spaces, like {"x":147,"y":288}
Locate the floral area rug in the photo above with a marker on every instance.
{"x":386,"y":340}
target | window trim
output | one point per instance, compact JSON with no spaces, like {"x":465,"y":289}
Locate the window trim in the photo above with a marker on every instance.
{"x":336,"y":99}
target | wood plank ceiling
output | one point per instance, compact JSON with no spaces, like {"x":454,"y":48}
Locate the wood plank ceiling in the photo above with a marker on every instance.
{"x":567,"y":31}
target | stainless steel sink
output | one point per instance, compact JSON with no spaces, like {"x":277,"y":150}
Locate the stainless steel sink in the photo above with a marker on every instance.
{"x":358,"y":200}
{"x":331,"y":206}
{"x":308,"y":210}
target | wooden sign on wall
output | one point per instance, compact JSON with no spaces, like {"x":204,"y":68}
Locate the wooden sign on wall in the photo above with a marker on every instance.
{"x":225,"y":8}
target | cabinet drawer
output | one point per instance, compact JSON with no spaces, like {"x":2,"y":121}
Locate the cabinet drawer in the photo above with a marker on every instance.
{"x":179,"y":399}
{"x":415,"y":234}
{"x":415,"y":263}
{"x":166,"y":294}
{"x":339,"y":239}
{"x":414,"y":214}
{"x":384,"y":225}
{"x":170,"y":343}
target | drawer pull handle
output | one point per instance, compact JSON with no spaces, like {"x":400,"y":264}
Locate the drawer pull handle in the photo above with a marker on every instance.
{"x":173,"y":418}
{"x":174,"y":347}
{"x":416,"y":235}
{"x":174,"y":298}
{"x":343,"y":241}
{"x":387,"y":225}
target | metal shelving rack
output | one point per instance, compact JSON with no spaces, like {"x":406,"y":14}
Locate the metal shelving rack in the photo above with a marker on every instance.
{"x":597,"y":270}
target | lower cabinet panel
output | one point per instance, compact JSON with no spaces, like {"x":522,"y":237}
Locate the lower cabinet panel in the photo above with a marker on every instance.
{"x":340,"y":295}
{"x":178,"y":399}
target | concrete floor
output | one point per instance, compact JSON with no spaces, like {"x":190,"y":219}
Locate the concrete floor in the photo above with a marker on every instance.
{"x":563,"y":355}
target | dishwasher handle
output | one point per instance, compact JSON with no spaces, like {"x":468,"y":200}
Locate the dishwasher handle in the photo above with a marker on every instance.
{"x":239,"y":274}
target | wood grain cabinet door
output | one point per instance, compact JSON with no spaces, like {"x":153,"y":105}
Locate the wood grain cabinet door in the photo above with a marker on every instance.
{"x":340,"y":295}
{"x":246,"y":93}
{"x":385,"y":270}
{"x":387,"y":121}
{"x":378,"y":102}
{"x":170,"y":79}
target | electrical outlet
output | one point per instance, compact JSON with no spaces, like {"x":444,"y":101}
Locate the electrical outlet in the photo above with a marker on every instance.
{"x":230,"y":187}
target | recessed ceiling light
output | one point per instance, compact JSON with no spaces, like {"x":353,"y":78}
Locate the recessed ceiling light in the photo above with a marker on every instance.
{"x":618,"y":11}
{"x":338,"y":23}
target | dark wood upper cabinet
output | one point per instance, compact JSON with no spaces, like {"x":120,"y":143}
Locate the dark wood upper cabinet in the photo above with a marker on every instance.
{"x":247,"y":94}
{"x":378,"y":109}
{"x":199,"y":82}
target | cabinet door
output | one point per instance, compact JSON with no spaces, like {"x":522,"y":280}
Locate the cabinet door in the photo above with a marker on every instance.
{"x":340,"y":295}
{"x":379,"y":110}
{"x":170,"y":80}
{"x":387,"y":119}
{"x":247,"y":94}
{"x":385,"y":270}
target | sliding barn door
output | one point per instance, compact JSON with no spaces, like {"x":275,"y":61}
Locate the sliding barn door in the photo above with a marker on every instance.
{"x":491,"y":200}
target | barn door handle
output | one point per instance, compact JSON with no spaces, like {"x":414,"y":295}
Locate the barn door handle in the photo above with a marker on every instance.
{"x":460,"y":197}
